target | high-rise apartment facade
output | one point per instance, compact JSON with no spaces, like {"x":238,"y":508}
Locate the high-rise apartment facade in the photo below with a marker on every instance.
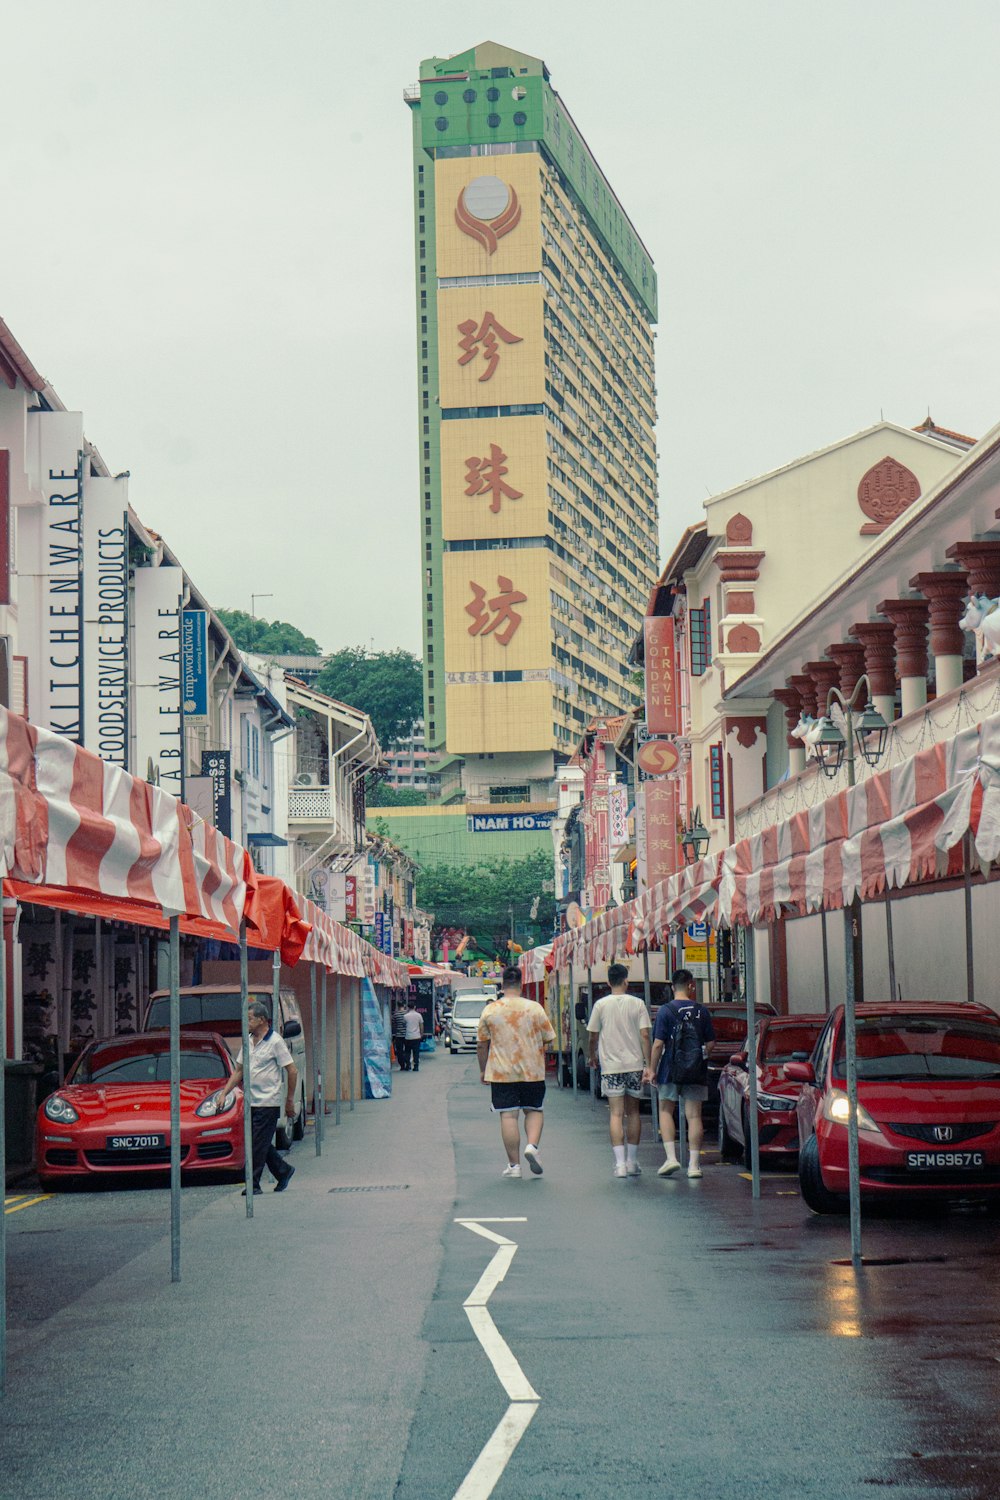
{"x":535,"y":305}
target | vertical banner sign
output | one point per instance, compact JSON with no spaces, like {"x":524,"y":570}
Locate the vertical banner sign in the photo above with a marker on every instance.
{"x":336,"y":902}
{"x":158,"y":722}
{"x":104,"y":550}
{"x":617,"y":816}
{"x":4,"y":525}
{"x":662,"y":707}
{"x":194,"y":665}
{"x":217,"y":765}
{"x":350,"y":898}
{"x":60,"y":678}
{"x":662,"y":809}
{"x":379,"y":928}
{"x":641,"y":860}
{"x":368,"y":895}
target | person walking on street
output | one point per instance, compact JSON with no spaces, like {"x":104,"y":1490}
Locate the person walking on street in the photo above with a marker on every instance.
{"x":413,"y":1033}
{"x":513,"y":1035}
{"x":619,"y":1029}
{"x":273,"y":1078}
{"x":679,"y":1064}
{"x":399,"y":1035}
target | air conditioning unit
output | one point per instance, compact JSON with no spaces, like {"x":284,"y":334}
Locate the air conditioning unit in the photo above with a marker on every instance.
{"x":307,"y":778}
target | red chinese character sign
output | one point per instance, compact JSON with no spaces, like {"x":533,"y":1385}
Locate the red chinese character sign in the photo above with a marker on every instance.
{"x":662,"y":802}
{"x":486,"y":476}
{"x":497,"y":616}
{"x":487,"y":209}
{"x":662,"y":707}
{"x":484,"y":338}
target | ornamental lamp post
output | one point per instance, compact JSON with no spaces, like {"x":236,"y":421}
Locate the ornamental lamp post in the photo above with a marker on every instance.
{"x":695,"y":838}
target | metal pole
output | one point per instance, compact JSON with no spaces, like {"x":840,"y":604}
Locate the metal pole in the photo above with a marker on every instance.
{"x":970,"y":966}
{"x":324,"y":1070}
{"x":314,"y":1048}
{"x":99,"y":983}
{"x":572,"y":1029}
{"x":175,"y":1099}
{"x":336,"y":1118}
{"x":590,"y":1011}
{"x":890,"y":947}
{"x":853,"y":994}
{"x":354,"y":1017}
{"x":654,"y":1093}
{"x":752,"y":1076}
{"x":60,"y":960}
{"x":826,"y":964}
{"x":559,"y":1032}
{"x":3,"y":1154}
{"x":245,"y":1031}
{"x":137,"y":1014}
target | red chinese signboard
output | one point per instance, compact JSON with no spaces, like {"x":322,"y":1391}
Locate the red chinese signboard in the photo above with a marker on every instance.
{"x":482,"y":338}
{"x":662,"y":849}
{"x":350,"y":898}
{"x":662,"y":706}
{"x":501,"y":608}
{"x":485,"y":476}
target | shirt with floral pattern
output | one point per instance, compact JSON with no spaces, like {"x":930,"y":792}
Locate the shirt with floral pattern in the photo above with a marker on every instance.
{"x":518,"y":1031}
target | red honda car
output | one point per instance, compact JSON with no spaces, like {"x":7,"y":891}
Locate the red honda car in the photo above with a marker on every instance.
{"x":112,"y":1115}
{"x":780,"y":1040}
{"x":928,"y":1104}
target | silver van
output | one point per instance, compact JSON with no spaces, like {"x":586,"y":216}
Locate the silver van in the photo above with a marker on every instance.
{"x":216,"y":1007}
{"x":463,"y":1028}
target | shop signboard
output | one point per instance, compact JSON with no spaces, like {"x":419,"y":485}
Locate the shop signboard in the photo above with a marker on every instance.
{"x":368,"y":895}
{"x":104,"y":563}
{"x":699,"y":949}
{"x":158,"y":717}
{"x":655,"y":754}
{"x":217,"y":765}
{"x":194,"y":664}
{"x":350,"y":898}
{"x":662,"y":707}
{"x":49,"y":549}
{"x":509,"y":822}
{"x":380,"y":931}
{"x":617,"y":816}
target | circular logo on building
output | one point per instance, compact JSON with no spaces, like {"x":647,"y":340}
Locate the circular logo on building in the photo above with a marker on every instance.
{"x":487,"y":209}
{"x":658,"y":757}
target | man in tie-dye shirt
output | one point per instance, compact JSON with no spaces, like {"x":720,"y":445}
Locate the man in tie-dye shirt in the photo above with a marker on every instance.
{"x":513,"y":1035}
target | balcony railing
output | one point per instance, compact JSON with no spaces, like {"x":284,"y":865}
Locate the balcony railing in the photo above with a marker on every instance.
{"x":311,"y":804}
{"x":934,"y":724}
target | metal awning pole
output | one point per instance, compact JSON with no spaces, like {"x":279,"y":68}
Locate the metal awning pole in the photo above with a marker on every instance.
{"x":851,"y":1050}
{"x":572,"y":1029}
{"x":890,"y":946}
{"x":62,"y":1041}
{"x":970,"y":965}
{"x":752,"y":1077}
{"x":654,"y":1093}
{"x":324,"y":1071}
{"x":680,"y":1116}
{"x":826,"y":963}
{"x":590,"y":1011}
{"x":175,"y":1098}
{"x":245,"y":1032}
{"x":105,"y":1022}
{"x":559,"y":1032}
{"x":314,"y":1048}
{"x":336,"y":1117}
{"x":3,"y":1156}
{"x":353,"y":1036}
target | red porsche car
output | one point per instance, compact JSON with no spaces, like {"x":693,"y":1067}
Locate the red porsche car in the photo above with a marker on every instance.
{"x":112,"y":1115}
{"x":780,"y":1040}
{"x":928,"y":1104}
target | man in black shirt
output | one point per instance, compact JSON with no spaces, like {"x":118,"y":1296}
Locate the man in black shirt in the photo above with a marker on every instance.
{"x":679,"y":1064}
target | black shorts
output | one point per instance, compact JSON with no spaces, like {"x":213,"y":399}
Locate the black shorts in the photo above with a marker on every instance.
{"x":515,"y":1096}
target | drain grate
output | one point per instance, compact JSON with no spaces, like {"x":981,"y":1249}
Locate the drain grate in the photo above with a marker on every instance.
{"x":381,"y":1187}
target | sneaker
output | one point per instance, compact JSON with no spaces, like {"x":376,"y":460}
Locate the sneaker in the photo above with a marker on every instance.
{"x":633,"y":1169}
{"x":620,"y":1169}
{"x":669,"y":1168}
{"x":531,"y":1157}
{"x":511,"y":1171}
{"x":282,"y":1183}
{"x":694,"y":1171}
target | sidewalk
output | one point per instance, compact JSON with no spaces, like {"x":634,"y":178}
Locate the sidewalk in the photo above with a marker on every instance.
{"x":265,"y":1371}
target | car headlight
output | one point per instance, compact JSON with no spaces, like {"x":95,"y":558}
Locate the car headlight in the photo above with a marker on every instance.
{"x":58,"y":1108}
{"x":210,"y":1105}
{"x":838,"y":1109}
{"x":775,"y":1101}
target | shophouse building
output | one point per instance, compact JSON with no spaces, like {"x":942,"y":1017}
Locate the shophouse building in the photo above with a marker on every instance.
{"x":535,"y":301}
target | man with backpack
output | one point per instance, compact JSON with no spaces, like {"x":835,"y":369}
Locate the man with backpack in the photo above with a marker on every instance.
{"x":679,"y":1064}
{"x":619,"y":1042}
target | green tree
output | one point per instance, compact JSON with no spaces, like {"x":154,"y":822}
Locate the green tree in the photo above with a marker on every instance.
{"x":268,"y":637}
{"x":379,"y":793}
{"x":477,"y":899}
{"x":386,"y":685}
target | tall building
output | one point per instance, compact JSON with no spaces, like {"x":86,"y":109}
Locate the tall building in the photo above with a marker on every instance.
{"x":535,"y":305}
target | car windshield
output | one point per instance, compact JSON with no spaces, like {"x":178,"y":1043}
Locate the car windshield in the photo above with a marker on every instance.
{"x":111,"y":1065}
{"x":915,"y":1048}
{"x":468,"y":1010}
{"x":782,"y":1042}
{"x":197,"y":1010}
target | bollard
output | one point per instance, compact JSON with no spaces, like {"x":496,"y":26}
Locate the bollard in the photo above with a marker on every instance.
{"x":314,"y":1048}
{"x":245,"y":1033}
{"x":175,"y":1099}
{"x":336,"y":1118}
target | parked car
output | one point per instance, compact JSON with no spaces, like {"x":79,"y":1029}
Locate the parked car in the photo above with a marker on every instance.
{"x":216,"y":1007}
{"x":112,"y":1115}
{"x":464,"y":1026}
{"x":928,"y":1104}
{"x":780,"y":1040}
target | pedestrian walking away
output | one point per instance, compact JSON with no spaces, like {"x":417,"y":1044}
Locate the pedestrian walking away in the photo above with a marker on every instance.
{"x":513,"y":1035}
{"x":273,"y":1078}
{"x":679,"y":1063}
{"x":619,"y":1029}
{"x":413,"y":1033}
{"x":399,"y":1035}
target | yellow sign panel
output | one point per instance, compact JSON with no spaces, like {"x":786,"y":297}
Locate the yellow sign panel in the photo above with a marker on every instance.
{"x":499,"y":717}
{"x":493,"y":478}
{"x":496,"y":610}
{"x":488,"y":215}
{"x":490,"y":346}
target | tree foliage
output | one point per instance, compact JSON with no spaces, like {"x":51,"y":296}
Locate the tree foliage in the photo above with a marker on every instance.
{"x":267,"y":637}
{"x":477,"y":899}
{"x":379,"y":793}
{"x":386,"y":685}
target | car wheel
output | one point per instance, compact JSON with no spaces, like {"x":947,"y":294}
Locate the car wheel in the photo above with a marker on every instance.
{"x":299,"y":1128}
{"x":816,"y":1194}
{"x":728,"y":1147}
{"x":582,"y":1073}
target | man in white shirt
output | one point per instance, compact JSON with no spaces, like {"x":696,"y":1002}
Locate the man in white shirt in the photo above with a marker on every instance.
{"x":619,"y":1029}
{"x":273,"y":1077}
{"x":413,"y":1023}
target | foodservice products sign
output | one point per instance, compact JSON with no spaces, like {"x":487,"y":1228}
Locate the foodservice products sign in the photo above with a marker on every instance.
{"x":104,"y":560}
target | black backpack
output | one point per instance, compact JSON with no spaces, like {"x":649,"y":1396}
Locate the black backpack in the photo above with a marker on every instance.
{"x":685,"y":1058}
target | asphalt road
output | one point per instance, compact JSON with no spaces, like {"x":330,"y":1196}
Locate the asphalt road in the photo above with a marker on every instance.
{"x":681,"y":1340}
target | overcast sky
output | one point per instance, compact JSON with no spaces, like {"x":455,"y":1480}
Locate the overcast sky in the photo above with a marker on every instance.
{"x":207,"y":247}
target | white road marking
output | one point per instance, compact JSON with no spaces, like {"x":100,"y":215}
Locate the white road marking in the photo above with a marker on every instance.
{"x":482,"y":1478}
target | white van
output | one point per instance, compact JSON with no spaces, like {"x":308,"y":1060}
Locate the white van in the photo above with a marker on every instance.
{"x":216,"y":1007}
